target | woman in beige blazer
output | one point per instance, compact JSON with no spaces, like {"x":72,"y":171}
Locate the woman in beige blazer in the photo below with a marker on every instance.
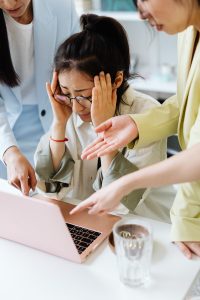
{"x":61,"y":173}
{"x":179,"y":114}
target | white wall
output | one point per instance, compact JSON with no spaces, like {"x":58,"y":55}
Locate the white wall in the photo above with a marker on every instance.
{"x":153,"y":49}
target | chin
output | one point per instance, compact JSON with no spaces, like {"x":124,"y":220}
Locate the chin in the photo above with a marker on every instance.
{"x":169,"y":30}
{"x":85,"y":118}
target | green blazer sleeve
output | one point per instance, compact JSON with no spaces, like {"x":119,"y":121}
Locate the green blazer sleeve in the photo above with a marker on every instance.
{"x":157,"y":123}
{"x":53,"y":181}
{"x":120,"y":166}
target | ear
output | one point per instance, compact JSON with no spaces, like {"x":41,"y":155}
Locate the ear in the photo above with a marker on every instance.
{"x":118,"y":79}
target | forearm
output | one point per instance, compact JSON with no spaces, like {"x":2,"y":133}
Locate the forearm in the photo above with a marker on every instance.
{"x":7,"y":138}
{"x":107,"y":160}
{"x":183,"y":167}
{"x":57,"y":148}
{"x":8,"y":154}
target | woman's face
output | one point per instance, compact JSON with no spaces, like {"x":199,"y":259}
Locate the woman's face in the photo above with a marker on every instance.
{"x":17,"y":9}
{"x":171,"y":16}
{"x":74,"y":83}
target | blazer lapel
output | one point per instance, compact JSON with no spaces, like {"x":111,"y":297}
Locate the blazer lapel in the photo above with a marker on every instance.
{"x":187,"y":69}
{"x":188,"y":65}
{"x":17,"y":92}
{"x":45,"y":28}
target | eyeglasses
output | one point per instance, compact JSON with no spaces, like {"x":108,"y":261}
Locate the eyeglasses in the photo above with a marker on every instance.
{"x":67,"y":100}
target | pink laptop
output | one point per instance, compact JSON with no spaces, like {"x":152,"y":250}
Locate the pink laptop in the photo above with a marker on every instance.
{"x":46,"y":225}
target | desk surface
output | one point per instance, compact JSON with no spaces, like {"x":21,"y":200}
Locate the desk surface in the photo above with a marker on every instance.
{"x":26,"y":273}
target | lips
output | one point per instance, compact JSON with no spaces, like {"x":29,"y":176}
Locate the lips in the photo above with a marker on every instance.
{"x":11,"y":11}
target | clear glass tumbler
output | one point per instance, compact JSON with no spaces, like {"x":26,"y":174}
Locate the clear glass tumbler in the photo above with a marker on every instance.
{"x":133,"y":246}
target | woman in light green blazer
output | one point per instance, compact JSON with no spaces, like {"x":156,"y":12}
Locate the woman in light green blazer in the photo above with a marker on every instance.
{"x":179,"y":114}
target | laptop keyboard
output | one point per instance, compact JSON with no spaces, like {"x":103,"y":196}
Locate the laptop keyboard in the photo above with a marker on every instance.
{"x":82,"y":237}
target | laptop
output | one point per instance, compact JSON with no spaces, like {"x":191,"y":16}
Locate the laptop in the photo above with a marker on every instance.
{"x":45,"y":224}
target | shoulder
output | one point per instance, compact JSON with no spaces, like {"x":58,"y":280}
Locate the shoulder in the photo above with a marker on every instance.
{"x":55,"y":8}
{"x":186,"y":37}
{"x":136,"y":102}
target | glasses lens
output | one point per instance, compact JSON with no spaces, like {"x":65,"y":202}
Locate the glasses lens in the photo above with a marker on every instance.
{"x":63,"y":100}
{"x":86,"y":102}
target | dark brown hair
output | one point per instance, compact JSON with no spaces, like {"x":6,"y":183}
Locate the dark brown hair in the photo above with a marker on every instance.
{"x":102,"y":45}
{"x":8,"y":76}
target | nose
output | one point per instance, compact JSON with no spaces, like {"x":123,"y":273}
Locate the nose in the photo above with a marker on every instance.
{"x":76,"y":107}
{"x":142,"y":10}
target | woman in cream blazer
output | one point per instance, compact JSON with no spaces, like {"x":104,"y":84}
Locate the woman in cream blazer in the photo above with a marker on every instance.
{"x":179,"y":114}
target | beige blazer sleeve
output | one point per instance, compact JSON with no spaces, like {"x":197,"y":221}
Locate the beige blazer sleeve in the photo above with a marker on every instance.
{"x":53,"y":184}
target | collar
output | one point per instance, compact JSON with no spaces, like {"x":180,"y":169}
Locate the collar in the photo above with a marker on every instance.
{"x":79,"y":123}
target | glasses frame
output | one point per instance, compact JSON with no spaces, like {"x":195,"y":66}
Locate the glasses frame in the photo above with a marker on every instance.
{"x":77,"y":98}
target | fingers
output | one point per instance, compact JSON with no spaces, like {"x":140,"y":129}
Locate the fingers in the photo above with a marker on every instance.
{"x":83,"y":205}
{"x":32,"y":179}
{"x":194,"y":247}
{"x":21,"y":182}
{"x":184,"y":249}
{"x":16,"y":184}
{"x":94,"y":96}
{"x":54,"y":82}
{"x":104,"y":126}
{"x":109,"y":87}
{"x":103,"y":87}
{"x":97,"y":84}
{"x":92,"y":152}
{"x":88,"y":148}
{"x":99,"y":148}
{"x":49,"y":91}
{"x":107,"y":150}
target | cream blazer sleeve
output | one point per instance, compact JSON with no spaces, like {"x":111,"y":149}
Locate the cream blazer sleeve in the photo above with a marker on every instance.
{"x":161,"y":122}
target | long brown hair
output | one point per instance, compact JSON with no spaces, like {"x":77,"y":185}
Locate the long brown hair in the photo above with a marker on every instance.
{"x":8,"y":76}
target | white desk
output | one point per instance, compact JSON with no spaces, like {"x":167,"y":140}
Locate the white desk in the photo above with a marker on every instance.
{"x":28,"y":274}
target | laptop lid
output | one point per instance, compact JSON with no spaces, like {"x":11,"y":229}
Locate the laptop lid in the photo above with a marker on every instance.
{"x":35,"y":223}
{"x":41,"y":224}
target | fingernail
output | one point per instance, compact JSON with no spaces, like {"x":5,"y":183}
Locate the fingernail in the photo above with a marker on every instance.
{"x":102,"y":73}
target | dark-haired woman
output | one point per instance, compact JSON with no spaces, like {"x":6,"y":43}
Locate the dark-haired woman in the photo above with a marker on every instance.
{"x":30,"y":31}
{"x":179,"y":114}
{"x":90,"y":86}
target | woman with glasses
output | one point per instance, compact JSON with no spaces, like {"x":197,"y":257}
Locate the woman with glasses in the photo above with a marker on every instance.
{"x":90,"y":85}
{"x":30,"y":32}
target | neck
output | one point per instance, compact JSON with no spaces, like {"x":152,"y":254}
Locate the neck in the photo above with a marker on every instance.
{"x":196,"y":18}
{"x":27,"y":17}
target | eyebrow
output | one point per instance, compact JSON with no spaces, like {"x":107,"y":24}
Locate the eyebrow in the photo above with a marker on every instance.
{"x":81,"y":90}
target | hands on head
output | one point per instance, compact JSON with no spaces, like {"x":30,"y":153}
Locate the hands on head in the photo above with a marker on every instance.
{"x":61,"y":112}
{"x":104,"y":99}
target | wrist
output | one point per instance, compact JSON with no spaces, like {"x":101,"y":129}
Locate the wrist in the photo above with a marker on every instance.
{"x":8,"y":154}
{"x":59,"y":125}
{"x":58,"y":131}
